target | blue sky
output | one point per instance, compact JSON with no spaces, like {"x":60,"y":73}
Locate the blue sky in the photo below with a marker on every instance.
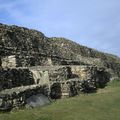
{"x":93,"y":23}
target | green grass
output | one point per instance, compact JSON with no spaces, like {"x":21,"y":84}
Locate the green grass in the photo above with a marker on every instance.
{"x":103,"y":105}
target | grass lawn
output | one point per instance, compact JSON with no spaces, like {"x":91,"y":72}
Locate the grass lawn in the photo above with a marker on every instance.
{"x":103,"y":105}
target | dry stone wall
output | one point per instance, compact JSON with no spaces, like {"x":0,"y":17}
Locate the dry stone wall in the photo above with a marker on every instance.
{"x":13,"y":77}
{"x":32,"y":48}
{"x":32,"y":64}
{"x":57,"y":81}
{"x":17,"y":97}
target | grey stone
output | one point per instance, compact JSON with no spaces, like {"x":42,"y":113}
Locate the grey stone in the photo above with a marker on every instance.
{"x":37,"y":100}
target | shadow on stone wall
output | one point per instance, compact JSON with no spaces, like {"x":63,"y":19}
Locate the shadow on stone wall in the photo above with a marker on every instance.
{"x":55,"y":91}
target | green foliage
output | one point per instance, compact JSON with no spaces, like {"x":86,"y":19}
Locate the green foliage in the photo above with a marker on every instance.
{"x":103,"y":105}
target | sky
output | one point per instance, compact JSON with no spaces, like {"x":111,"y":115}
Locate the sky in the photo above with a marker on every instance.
{"x":92,"y":23}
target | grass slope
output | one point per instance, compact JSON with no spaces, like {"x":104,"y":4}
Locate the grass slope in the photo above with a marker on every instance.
{"x":103,"y":105}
